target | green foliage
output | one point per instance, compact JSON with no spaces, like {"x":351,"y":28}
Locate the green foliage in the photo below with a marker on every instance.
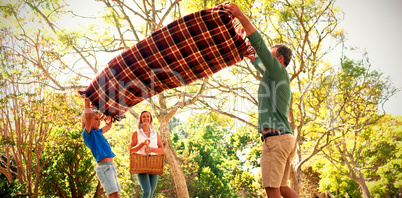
{"x":70,"y":171}
{"x":385,"y":157}
{"x":243,"y":183}
{"x":166,"y":186}
{"x":212,"y":152}
{"x":379,"y":162}
{"x":209,"y":185}
{"x":190,"y":6}
{"x":342,"y":107}
{"x":13,"y":189}
{"x":205,"y":148}
{"x":335,"y":182}
{"x":207,"y":141}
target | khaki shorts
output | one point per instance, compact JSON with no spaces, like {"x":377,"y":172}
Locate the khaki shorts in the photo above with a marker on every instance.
{"x":276,"y":159}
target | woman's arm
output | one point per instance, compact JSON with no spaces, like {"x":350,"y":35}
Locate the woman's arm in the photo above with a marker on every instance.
{"x":134,"y":141}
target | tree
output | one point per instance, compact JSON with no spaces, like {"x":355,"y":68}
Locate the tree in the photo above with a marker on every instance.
{"x":54,"y":46}
{"x":210,"y":141}
{"x":26,"y":118}
{"x":384,"y":157}
{"x":66,"y":174}
{"x":378,"y":163}
{"x":356,"y":92}
{"x":333,"y":183}
{"x":204,"y":147}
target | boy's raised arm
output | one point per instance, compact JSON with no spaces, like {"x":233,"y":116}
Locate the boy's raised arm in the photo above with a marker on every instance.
{"x":108,"y":124}
{"x":88,"y":115}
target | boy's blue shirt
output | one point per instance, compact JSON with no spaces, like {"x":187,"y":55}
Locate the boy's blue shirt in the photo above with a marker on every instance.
{"x":98,"y":144}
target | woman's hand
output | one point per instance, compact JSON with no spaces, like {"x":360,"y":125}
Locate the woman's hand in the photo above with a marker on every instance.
{"x":147,"y":148}
{"x":147,"y":141}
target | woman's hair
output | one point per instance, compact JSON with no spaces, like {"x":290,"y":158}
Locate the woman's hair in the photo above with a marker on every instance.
{"x":140,"y":121}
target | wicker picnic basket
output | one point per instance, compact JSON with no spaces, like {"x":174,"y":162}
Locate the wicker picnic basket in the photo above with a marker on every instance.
{"x":147,"y":164}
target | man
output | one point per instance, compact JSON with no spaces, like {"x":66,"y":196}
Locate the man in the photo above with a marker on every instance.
{"x":273,"y":105}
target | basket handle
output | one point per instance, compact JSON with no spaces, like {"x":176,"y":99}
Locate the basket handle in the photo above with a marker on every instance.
{"x":147,"y":146}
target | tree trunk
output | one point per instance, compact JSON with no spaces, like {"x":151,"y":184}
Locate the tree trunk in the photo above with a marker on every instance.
{"x":295,"y":171}
{"x":73,"y":189}
{"x":295,"y":178}
{"x":362,"y":183}
{"x":98,"y":191}
{"x":173,"y":160}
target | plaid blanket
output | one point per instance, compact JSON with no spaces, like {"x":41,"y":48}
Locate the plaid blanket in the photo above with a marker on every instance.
{"x":190,"y":48}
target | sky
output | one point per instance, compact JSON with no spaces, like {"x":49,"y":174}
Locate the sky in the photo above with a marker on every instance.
{"x":376,"y":26}
{"x":372,"y":25}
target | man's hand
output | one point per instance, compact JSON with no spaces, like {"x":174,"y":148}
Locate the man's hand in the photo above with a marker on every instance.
{"x":251,"y":58}
{"x":236,"y":12}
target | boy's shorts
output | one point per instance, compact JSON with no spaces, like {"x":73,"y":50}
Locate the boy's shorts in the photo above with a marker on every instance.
{"x":107,"y":176}
{"x":276,"y":158}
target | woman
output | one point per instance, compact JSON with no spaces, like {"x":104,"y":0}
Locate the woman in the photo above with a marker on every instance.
{"x":139,"y":139}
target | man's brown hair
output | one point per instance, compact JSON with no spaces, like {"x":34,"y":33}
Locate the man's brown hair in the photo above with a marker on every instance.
{"x":285,"y":51}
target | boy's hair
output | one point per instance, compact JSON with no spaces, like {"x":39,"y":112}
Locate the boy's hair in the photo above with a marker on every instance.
{"x":83,"y":118}
{"x":139,"y":120}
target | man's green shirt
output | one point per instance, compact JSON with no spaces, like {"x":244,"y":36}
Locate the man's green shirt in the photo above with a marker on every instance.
{"x":274,"y":91}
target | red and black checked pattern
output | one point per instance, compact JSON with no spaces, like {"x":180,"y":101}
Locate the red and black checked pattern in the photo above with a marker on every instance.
{"x":190,"y":48}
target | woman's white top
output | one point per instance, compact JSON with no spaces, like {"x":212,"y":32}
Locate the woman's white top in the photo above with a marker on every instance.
{"x":141,"y":137}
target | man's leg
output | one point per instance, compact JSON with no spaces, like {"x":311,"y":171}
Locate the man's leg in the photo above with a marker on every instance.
{"x":273,"y":162}
{"x":273,"y":192}
{"x":285,"y":190}
{"x":288,"y":192}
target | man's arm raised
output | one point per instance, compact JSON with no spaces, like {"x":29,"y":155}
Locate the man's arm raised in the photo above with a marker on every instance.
{"x":249,"y":28}
{"x":245,"y":22}
{"x":269,"y":62}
